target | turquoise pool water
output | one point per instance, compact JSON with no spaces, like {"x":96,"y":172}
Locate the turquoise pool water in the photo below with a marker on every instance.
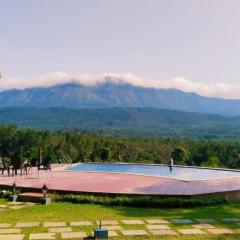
{"x":181,"y":173}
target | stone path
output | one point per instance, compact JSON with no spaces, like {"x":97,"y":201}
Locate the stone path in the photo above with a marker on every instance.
{"x":15,"y":205}
{"x":81,"y":223}
{"x":219,"y":231}
{"x":73,"y":235}
{"x":191,"y":231}
{"x":134,"y":232}
{"x":27,"y":224}
{"x":164,"y":232}
{"x":37,"y":236}
{"x":182,"y":221}
{"x":54,"y":224}
{"x":124,"y":228}
{"x":12,"y":237}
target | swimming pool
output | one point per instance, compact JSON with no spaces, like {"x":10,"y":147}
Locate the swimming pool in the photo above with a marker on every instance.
{"x":180,"y":173}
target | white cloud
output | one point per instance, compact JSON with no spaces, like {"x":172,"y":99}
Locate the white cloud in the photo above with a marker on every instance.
{"x":222,"y":90}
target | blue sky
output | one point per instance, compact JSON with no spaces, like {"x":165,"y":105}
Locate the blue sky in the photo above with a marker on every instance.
{"x":156,"y":40}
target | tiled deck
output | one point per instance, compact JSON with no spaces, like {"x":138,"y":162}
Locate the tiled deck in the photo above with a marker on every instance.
{"x":119,"y":183}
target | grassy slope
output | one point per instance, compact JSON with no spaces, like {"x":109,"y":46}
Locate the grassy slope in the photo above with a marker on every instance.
{"x":73,"y":212}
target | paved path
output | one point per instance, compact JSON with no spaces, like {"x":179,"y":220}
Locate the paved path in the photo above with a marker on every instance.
{"x":120,"y":228}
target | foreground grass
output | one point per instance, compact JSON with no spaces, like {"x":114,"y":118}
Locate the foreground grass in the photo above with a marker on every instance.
{"x":69,"y":212}
{"x":75,"y":212}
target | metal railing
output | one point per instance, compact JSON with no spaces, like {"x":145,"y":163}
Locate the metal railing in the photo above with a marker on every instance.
{"x":65,"y":159}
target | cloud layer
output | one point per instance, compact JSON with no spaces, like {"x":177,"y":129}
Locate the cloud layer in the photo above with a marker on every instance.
{"x":222,"y":90}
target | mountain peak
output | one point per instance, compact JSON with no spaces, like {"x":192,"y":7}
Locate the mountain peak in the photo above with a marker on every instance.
{"x":114,"y":92}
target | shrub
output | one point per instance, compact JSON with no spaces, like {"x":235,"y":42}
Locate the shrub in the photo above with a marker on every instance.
{"x":140,"y":201}
{"x":5,"y":193}
{"x":7,"y":160}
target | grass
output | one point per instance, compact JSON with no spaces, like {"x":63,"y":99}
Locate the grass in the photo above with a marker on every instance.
{"x":67,"y":212}
{"x":2,"y":200}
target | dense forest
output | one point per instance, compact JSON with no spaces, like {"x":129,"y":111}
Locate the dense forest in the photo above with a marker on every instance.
{"x":22,"y":144}
{"x":144,"y":122}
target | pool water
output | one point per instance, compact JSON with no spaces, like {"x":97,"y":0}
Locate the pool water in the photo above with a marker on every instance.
{"x":180,"y":173}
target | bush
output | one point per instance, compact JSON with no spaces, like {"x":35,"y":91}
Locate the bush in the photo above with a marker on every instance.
{"x":7,"y":160}
{"x":213,"y":162}
{"x":141,"y":201}
{"x":5,"y":193}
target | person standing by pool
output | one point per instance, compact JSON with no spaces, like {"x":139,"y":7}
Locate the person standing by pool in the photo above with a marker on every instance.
{"x":170,"y":164}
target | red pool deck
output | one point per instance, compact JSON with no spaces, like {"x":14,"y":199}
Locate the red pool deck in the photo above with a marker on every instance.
{"x":73,"y":181}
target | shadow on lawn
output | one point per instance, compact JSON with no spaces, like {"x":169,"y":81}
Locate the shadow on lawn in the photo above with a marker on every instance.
{"x":220,"y":211}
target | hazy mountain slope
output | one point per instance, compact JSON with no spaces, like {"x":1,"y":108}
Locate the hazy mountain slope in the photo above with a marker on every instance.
{"x":111,"y":94}
{"x":126,"y":121}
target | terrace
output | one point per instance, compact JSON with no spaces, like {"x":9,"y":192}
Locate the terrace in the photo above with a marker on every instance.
{"x":62,"y":180}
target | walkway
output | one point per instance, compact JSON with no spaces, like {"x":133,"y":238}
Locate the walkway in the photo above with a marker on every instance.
{"x":33,"y":230}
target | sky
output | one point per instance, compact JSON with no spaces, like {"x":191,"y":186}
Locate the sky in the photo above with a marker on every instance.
{"x":187,"y":44}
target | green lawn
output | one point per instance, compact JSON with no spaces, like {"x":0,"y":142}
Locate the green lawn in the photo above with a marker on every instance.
{"x":70,"y":212}
{"x":73,"y":212}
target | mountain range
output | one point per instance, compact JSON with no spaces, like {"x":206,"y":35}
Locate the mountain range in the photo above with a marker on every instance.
{"x":111,"y":94}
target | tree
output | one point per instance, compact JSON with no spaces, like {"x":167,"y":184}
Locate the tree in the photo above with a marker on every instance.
{"x":103,"y":153}
{"x":180,"y":155}
{"x":213,"y":162}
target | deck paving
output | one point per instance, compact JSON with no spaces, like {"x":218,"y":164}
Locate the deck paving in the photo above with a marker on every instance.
{"x":120,"y":183}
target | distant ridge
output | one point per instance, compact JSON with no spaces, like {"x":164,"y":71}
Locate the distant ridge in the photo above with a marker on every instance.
{"x":116,"y":94}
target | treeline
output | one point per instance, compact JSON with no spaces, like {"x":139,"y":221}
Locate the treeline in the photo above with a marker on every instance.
{"x":22,"y":144}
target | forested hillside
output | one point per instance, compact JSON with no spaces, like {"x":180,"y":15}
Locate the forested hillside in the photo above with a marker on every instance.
{"x":126,"y":122}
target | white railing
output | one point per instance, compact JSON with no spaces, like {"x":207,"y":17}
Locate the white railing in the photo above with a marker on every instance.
{"x":65,"y":159}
